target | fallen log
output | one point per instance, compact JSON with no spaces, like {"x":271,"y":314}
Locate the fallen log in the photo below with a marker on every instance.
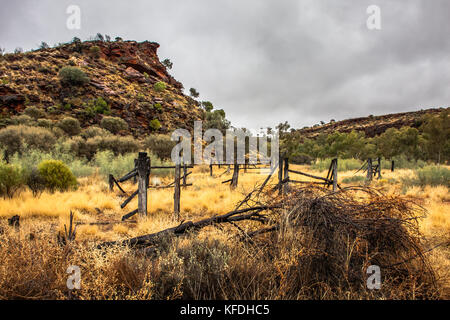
{"x":155,"y":238}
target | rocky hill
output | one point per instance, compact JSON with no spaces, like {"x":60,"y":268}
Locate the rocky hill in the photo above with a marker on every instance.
{"x":122,"y":73}
{"x":371,"y":125}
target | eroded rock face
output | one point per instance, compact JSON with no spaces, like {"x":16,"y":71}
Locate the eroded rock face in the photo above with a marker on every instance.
{"x":10,"y":98}
{"x":123,"y":73}
{"x":141,"y":57}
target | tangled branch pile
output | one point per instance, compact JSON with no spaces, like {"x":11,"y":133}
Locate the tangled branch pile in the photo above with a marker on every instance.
{"x":340,"y":234}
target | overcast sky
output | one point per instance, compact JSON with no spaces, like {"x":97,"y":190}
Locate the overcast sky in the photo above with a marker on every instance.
{"x":265,"y":61}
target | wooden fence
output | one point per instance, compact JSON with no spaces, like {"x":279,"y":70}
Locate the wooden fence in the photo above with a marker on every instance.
{"x":142,"y":173}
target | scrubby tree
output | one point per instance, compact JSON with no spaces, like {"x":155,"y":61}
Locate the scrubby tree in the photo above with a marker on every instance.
{"x":194,"y":93}
{"x":167,"y":63}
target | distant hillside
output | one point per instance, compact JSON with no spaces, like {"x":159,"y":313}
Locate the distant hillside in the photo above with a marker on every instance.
{"x":123,"y":73}
{"x":372,"y":125}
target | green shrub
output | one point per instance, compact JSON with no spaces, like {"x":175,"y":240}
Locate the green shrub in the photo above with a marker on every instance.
{"x":10,"y":180}
{"x":113,"y":124}
{"x":159,"y":86}
{"x":81,"y":148}
{"x":300,"y":158}
{"x":97,"y":106}
{"x":94,"y":131}
{"x":21,"y":120}
{"x":119,"y":145}
{"x":117,"y":165}
{"x":34,"y":112}
{"x":16,"y":138}
{"x":95,"y":51}
{"x":402,"y":162}
{"x":430,"y":175}
{"x":155,"y":124}
{"x":73,"y":76}
{"x":343,"y":164}
{"x":157,"y":106}
{"x":57,"y":175}
{"x":44,"y":123}
{"x":35,"y":181}
{"x":70,"y":125}
{"x":160,"y":145}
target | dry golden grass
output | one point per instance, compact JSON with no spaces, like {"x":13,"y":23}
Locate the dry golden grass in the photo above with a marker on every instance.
{"x":47,"y":214}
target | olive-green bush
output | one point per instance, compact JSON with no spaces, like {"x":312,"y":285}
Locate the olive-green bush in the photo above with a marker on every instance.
{"x":34,"y":112}
{"x":73,"y":76}
{"x":57,"y":175}
{"x":10,"y":179}
{"x":94,"y":131}
{"x":70,"y":125}
{"x":160,"y":145}
{"x":113,"y":124}
{"x":159,"y":86}
{"x":155,"y":124}
{"x":17,"y":138}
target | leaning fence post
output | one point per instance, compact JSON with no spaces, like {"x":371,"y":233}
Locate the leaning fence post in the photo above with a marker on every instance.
{"x":111,"y":182}
{"x":335,"y":177}
{"x":369,"y":170}
{"x":143,"y":170}
{"x":286,"y":175}
{"x":176,"y":193}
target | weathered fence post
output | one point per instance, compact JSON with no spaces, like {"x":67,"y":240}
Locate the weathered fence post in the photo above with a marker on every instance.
{"x":111,"y":182}
{"x":143,"y":172}
{"x":369,"y":170}
{"x":335,"y":177}
{"x":392,"y":166}
{"x":184,"y":174}
{"x":280,"y":174}
{"x":379,"y":168}
{"x":234,"y":179}
{"x":211,"y":168}
{"x":286,"y":175}
{"x":176,"y":193}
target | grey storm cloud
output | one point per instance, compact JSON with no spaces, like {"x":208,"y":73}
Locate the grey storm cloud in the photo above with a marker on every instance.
{"x":267,"y":61}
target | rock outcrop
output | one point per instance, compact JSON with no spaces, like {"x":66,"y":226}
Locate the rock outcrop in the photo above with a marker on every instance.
{"x":123,"y":73}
